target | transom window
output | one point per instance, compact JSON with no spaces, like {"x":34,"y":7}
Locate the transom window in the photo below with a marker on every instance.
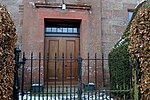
{"x":62,"y":30}
{"x":65,"y":28}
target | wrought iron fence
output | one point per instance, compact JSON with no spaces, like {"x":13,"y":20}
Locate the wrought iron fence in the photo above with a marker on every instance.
{"x":89,"y":82}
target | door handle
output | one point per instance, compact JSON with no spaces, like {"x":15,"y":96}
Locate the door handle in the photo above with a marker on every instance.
{"x":65,"y":65}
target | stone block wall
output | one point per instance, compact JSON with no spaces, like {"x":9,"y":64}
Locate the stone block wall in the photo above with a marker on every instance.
{"x":114,"y":21}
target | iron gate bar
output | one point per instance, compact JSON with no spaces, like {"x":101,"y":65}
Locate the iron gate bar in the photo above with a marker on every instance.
{"x":103,"y":80}
{"x":47,"y":61}
{"x":55,"y":74}
{"x":66,"y":91}
{"x":16,"y":78}
{"x":88,"y":75}
{"x":51,"y":92}
{"x":31,"y":74}
{"x":39,"y":75}
{"x":110,"y":80}
{"x":70,"y":75}
{"x":43,"y":92}
{"x":63,"y":63}
{"x":74,"y":92}
{"x":22,"y":88}
{"x":95,"y":72}
{"x":57,"y":91}
{"x":79,"y":77}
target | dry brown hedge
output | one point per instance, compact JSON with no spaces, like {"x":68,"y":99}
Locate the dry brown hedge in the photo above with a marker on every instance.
{"x":139,"y":46}
{"x":7,"y":63}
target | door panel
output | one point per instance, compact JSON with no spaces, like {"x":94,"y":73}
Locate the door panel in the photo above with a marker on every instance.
{"x":53,"y":48}
{"x":58,"y":45}
{"x":70,"y":45}
{"x":71,"y":51}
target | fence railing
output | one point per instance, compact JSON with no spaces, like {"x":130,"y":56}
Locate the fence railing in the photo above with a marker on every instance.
{"x":61,"y":78}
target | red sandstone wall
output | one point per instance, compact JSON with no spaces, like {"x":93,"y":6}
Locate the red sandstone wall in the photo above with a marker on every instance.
{"x":114,"y":21}
{"x":33,"y":29}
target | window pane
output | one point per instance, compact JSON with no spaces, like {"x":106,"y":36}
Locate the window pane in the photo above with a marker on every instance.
{"x":59,"y":29}
{"x":48,"y":29}
{"x":69,"y":30}
{"x":75,"y":30}
{"x":64,"y":30}
{"x":54,"y":29}
{"x":130,"y":15}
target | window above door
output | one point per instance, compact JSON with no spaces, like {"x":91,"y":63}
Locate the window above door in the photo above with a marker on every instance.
{"x":62,"y":28}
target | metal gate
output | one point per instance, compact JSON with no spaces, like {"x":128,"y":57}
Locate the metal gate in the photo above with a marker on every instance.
{"x":93,"y":82}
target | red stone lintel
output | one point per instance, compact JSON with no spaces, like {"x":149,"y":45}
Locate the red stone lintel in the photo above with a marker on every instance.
{"x":58,"y":5}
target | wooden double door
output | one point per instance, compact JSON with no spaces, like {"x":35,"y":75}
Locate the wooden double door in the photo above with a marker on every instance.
{"x":59,"y":69}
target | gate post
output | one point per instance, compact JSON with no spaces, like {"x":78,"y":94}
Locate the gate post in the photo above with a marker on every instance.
{"x":79,"y":78}
{"x":16,"y":78}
